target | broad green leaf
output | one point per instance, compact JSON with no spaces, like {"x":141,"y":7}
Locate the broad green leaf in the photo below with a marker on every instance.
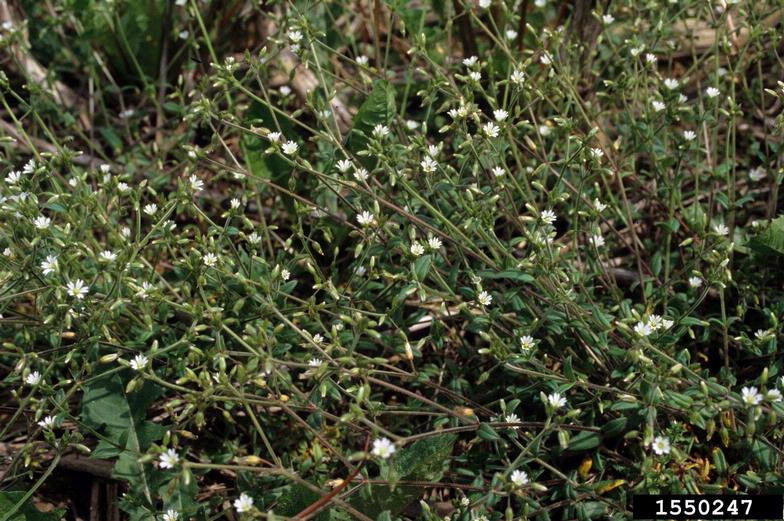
{"x":584,"y":440}
{"x":378,"y":108}
{"x":770,"y":241}
{"x":11,"y":510}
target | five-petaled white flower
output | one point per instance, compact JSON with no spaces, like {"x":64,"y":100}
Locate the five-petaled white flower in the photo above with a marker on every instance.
{"x":168,"y":459}
{"x":47,"y":423}
{"x":290,"y":148}
{"x":428,"y":165}
{"x":597,"y":240}
{"x":500,"y":115}
{"x":360,"y":174}
{"x":434,"y":243}
{"x":721,"y":229}
{"x":774,"y":395}
{"x":151,"y":209}
{"x":608,"y":19}
{"x":517,"y":77}
{"x":485,"y":298}
{"x":380,"y":131}
{"x":712,"y":92}
{"x":556,"y":400}
{"x":757,"y":174}
{"x":243,"y":504}
{"x":512,"y":418}
{"x":491,"y":129}
{"x":274,"y":137}
{"x":77,"y":289}
{"x":196,"y":183}
{"x":548,"y":217}
{"x":210,"y":259}
{"x":470,"y":61}
{"x":519,"y":478}
{"x":315,"y":362}
{"x":527,"y":343}
{"x":107,"y":256}
{"x":139,"y":362}
{"x":171,"y":515}
{"x":343,"y":166}
{"x":695,"y":282}
{"x":751,"y":396}
{"x":661,"y":445}
{"x":366,"y":218}
{"x":42,"y":222}
{"x":643,"y":328}
{"x":383,"y":448}
{"x":689,"y":135}
{"x":597,"y":153}
{"x":13,"y":177}
{"x":295,"y":36}
{"x":33,"y":378}
{"x":417,"y":249}
{"x":498,"y":171}
{"x":658,"y":106}
{"x":49,"y":265}
{"x":598,"y":205}
{"x":285,"y":274}
{"x":671,"y":83}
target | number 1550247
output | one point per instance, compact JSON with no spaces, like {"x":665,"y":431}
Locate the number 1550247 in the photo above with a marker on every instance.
{"x":708,"y":507}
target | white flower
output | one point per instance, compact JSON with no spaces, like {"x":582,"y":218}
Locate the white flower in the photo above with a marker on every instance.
{"x":484,"y":4}
{"x":254,"y":238}
{"x":139,"y":362}
{"x":475,"y":75}
{"x":519,"y":478}
{"x":13,"y":177}
{"x":366,"y":218}
{"x":721,"y":229}
{"x":512,"y":418}
{"x":290,"y":148}
{"x":183,"y":36}
{"x":712,"y":92}
{"x":210,"y":259}
{"x":548,"y":217}
{"x":658,"y":106}
{"x":597,"y":153}
{"x":500,"y":115}
{"x":608,"y":19}
{"x":235,"y":203}
{"x":498,"y":171}
{"x":383,"y":448}
{"x":151,"y":209}
{"x":598,"y":205}
{"x":274,"y":137}
{"x":428,"y":165}
{"x":655,"y":321}
{"x":107,"y":256}
{"x":285,"y":274}
{"x":666,"y":323}
{"x":411,"y":124}
{"x":317,"y":338}
{"x":30,"y":167}
{"x":381,"y":131}
{"x":751,"y":396}
{"x":49,"y":265}
{"x":682,"y":98}
{"x":527,"y":343}
{"x":689,"y":135}
{"x":511,"y":34}
{"x":295,"y":36}
{"x":285,"y":90}
{"x":315,"y":362}
{"x":343,"y":166}
{"x":123,"y":187}
{"x":42,"y":222}
{"x":661,"y":445}
{"x":485,"y":298}
{"x":464,"y":502}
{"x":196,"y":183}
{"x":555,"y":400}
{"x":470,"y":61}
{"x":434,"y":243}
{"x":643,"y":329}
{"x":417,"y":249}
{"x":774,"y":395}
{"x":433,"y":150}
{"x":597,"y":240}
{"x":243,"y":504}
{"x":671,"y":83}
{"x":168,"y":459}
{"x":362,"y":60}
{"x":545,"y":59}
{"x":517,"y":77}
{"x":171,"y":515}
{"x":651,"y":58}
{"x":77,"y":289}
{"x":695,"y":282}
{"x":144,"y":290}
{"x":47,"y":423}
{"x":33,"y":378}
{"x":757,"y":174}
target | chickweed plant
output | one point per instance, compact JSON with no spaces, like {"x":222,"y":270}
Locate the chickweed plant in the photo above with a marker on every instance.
{"x":389,"y":259}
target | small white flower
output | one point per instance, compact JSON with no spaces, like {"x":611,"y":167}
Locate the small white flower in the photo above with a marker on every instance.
{"x":658,"y":106}
{"x":721,"y":229}
{"x":318,"y":339}
{"x":597,"y":241}
{"x":254,"y":238}
{"x":366,"y":218}
{"x":527,"y":343}
{"x":171,"y":515}
{"x":484,"y":4}
{"x":290,"y":148}
{"x":500,"y":115}
{"x":712,"y":92}
{"x":666,"y":323}
{"x":774,"y":395}
{"x":470,"y":61}
{"x":655,"y":321}
{"x":285,"y":274}
{"x":651,"y":58}
{"x":381,"y":131}
{"x":183,"y":36}
{"x":434,"y":243}
{"x":77,"y":289}
{"x":295,"y":36}
{"x":33,"y":378}
{"x":411,"y":124}
{"x":47,"y":423}
{"x":417,"y":249}
{"x":519,"y":478}
{"x":689,"y":135}
{"x":433,"y":150}
{"x":139,"y":362}
{"x":608,"y":19}
{"x":475,"y":75}
{"x":343,"y":166}
{"x":123,"y":187}
{"x":151,"y":209}
{"x":599,"y":206}
{"x":545,"y":59}
{"x":555,"y":400}
{"x":512,"y":418}
{"x":383,"y":448}
{"x":274,"y":137}
{"x":315,"y":362}
{"x":13,"y":177}
{"x":643,"y":329}
{"x":42,"y":222}
{"x":107,"y":256}
{"x":196,"y":183}
{"x":210,"y":259}
{"x":362,"y":60}
{"x":464,"y":502}
{"x":429,"y":165}
{"x":49,"y":265}
{"x":511,"y":34}
{"x":548,"y":217}
{"x":763,"y":334}
{"x":517,"y":77}
{"x":682,"y":98}
{"x":751,"y":396}
{"x":144,"y":290}
{"x":485,"y":298}
{"x":597,"y":153}
{"x":235,"y":203}
{"x":285,"y":90}
{"x":498,"y":171}
{"x":695,"y":282}
{"x":168,"y":459}
{"x":757,"y":174}
{"x":661,"y":445}
{"x":671,"y":83}
{"x":243,"y":504}
{"x":125,"y":231}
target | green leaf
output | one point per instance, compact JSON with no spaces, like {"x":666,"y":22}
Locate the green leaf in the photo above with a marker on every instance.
{"x":770,"y":241}
{"x":487,"y":433}
{"x":519,"y":276}
{"x":26,"y":511}
{"x":120,"y":419}
{"x":584,"y":440}
{"x":378,"y":108}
